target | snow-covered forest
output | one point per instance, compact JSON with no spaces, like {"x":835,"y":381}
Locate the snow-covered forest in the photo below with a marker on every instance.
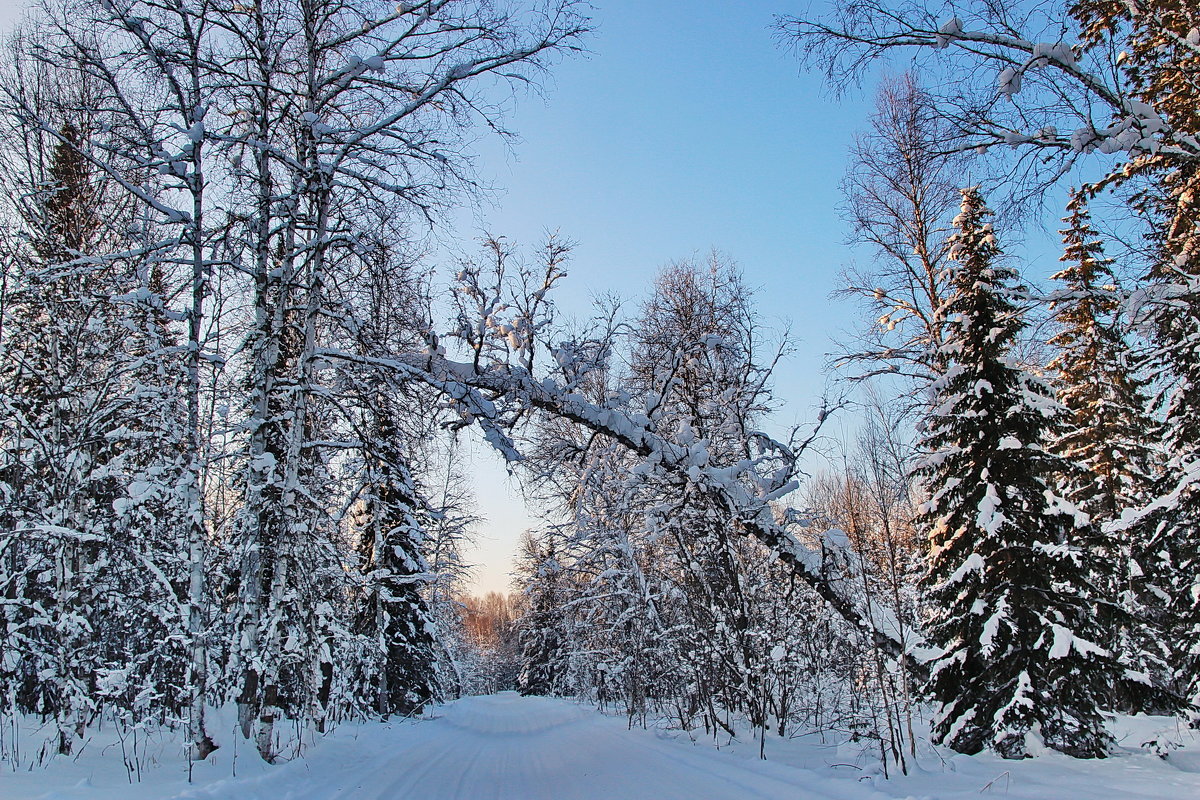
{"x":236,"y":374}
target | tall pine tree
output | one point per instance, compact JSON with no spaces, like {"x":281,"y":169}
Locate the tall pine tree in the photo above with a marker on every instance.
{"x":1107,"y":431}
{"x":1008,"y":591}
{"x":393,"y":613}
{"x":1105,"y":438}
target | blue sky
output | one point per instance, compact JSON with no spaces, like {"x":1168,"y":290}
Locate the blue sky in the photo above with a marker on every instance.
{"x":687,"y":129}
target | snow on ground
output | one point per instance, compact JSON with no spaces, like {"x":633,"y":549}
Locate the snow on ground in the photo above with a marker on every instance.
{"x":529,"y":748}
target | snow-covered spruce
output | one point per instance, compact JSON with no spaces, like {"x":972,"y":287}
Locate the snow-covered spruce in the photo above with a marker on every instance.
{"x":398,"y":667}
{"x":1165,"y":532}
{"x":1108,"y":431}
{"x":1108,"y":442}
{"x":1007,"y":584}
{"x":544,"y":645}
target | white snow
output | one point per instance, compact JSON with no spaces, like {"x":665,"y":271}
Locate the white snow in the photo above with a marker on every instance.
{"x":990,"y":519}
{"x":973,"y":563}
{"x":1009,"y":81}
{"x":1065,"y":640}
{"x":992,"y":626}
{"x":531,"y":748}
{"x":952,"y":27}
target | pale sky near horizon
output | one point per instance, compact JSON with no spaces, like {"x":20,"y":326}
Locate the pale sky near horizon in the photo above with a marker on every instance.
{"x":687,"y":129}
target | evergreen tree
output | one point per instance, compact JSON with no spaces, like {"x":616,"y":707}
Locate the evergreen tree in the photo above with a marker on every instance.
{"x":1160,"y":61}
{"x":1007,"y":588}
{"x":1107,"y":430}
{"x":393,"y":613}
{"x":541,"y":637}
{"x":1165,"y":533}
{"x":1105,"y":438}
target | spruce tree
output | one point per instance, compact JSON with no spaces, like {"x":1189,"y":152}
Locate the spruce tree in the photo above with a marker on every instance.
{"x":1107,"y":430}
{"x":1105,"y":438}
{"x":541,"y":637}
{"x":393,"y":612}
{"x":1165,"y":533}
{"x":1159,"y":60}
{"x":1007,"y":590}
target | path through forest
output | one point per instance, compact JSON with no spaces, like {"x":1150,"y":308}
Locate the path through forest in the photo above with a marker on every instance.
{"x":529,"y":748}
{"x":507,"y":747}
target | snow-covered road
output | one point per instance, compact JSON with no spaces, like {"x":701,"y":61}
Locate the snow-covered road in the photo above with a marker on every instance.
{"x":534,"y":748}
{"x":526,"y":748}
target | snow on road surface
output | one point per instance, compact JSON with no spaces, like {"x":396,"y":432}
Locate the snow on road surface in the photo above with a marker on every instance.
{"x":507,"y":747}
